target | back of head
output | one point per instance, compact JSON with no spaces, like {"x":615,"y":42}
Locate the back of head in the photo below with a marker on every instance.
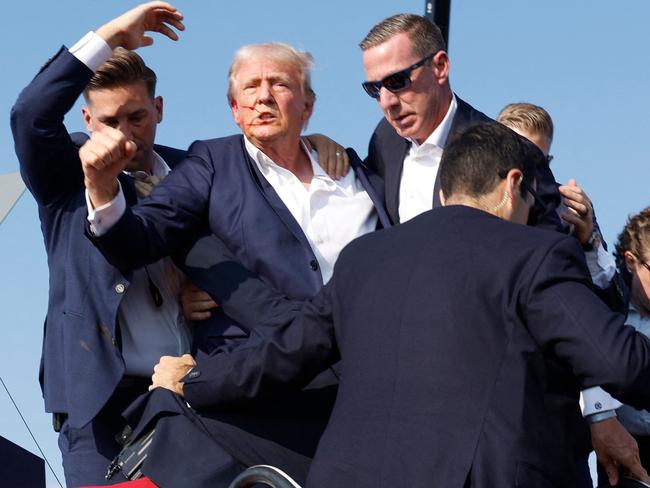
{"x":302,"y":61}
{"x":528,"y":118}
{"x":634,"y":238}
{"x":425,"y":36}
{"x":472,"y":162}
{"x":123,"y":68}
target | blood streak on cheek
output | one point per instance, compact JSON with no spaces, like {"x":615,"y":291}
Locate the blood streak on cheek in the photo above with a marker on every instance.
{"x":259,"y":122}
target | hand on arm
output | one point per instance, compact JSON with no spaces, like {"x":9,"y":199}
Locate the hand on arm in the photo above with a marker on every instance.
{"x":332,"y":156}
{"x":169,"y":372}
{"x":580,"y":211}
{"x":103,"y":157}
{"x":615,"y":447}
{"x":129,"y":29}
{"x":196,"y":303}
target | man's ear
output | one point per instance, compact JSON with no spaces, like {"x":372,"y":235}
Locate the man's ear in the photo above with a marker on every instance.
{"x":310,"y":99}
{"x":630,"y":261}
{"x":88,"y":118}
{"x":440,"y":65}
{"x":158,"y":105}
{"x":514,"y":180}
{"x":234,"y":107}
{"x":443,"y":200}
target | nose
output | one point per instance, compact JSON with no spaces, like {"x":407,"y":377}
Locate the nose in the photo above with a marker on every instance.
{"x":125,"y":128}
{"x":387,"y":98}
{"x":265,"y":95}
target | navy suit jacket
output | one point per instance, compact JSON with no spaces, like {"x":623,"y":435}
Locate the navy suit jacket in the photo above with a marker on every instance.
{"x":444,"y":352}
{"x":81,"y":362}
{"x":387,"y":150}
{"x":219,"y":190}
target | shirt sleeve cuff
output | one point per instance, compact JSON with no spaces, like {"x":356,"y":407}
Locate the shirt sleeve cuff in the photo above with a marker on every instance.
{"x":595,"y":400}
{"x":91,"y":50}
{"x":102,"y":218}
{"x":601,"y":266}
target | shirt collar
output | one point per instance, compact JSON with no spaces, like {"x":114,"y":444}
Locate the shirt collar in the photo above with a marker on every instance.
{"x":263,"y":160}
{"x":440,"y":134}
{"x":159,"y":167}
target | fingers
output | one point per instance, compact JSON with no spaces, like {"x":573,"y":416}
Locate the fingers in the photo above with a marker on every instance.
{"x":612,"y":471}
{"x":638,"y":472}
{"x":342,"y":162}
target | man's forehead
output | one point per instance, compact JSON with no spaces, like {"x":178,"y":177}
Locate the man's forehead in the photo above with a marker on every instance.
{"x":262,"y":67}
{"x":389,"y":57}
{"x":123,"y":99}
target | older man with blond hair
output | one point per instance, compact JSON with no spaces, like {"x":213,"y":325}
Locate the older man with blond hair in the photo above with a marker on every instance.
{"x":264,"y":194}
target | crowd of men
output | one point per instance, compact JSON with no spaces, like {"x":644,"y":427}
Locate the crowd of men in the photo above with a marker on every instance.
{"x":425,"y":317}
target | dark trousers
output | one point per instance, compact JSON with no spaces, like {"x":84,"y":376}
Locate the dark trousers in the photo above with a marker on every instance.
{"x":88,"y":451}
{"x":209,"y":449}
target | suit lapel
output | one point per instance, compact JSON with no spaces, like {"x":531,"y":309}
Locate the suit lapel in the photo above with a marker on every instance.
{"x":273,"y":199}
{"x":373,"y":184}
{"x":394,"y":163}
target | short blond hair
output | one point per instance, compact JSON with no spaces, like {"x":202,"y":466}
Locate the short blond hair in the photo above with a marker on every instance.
{"x":303,"y":61}
{"x":527,"y":117}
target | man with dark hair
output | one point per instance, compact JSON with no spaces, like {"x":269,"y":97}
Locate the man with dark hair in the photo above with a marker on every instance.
{"x":407,"y":69}
{"x":445,"y":347}
{"x":105,"y":328}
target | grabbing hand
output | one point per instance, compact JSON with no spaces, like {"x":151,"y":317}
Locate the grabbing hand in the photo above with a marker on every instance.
{"x":615,"y":447}
{"x":103,"y":157}
{"x":580,"y":211}
{"x":129,"y":29}
{"x":332,"y":156}
{"x":196,"y":303}
{"x":169,"y":372}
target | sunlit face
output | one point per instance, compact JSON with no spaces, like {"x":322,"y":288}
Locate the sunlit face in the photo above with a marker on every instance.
{"x":640,"y":288}
{"x":131,"y":110}
{"x":268,"y":101}
{"x":416,"y":111}
{"x":542,"y":142}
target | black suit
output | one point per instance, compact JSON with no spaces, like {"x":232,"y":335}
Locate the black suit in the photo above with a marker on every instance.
{"x":444,"y":351}
{"x":387,"y":150}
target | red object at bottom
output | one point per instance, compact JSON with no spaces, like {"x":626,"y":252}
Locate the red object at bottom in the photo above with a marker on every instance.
{"x":141,"y":483}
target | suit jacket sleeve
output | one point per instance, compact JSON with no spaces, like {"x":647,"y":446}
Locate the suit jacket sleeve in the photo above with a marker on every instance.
{"x":242,"y":294}
{"x":49,"y":160}
{"x":285,"y":360}
{"x":565,"y":316}
{"x":167,"y":221}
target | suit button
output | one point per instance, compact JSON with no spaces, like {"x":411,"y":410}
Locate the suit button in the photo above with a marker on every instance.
{"x":114,"y":341}
{"x":119,"y":288}
{"x":313,"y":264}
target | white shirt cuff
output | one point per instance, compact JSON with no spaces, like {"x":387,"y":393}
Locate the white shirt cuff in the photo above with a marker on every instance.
{"x":92,"y":51}
{"x":103,"y":218}
{"x":601,"y":266}
{"x":596,"y":400}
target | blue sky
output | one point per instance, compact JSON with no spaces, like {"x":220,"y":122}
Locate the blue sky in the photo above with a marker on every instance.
{"x":586,"y":64}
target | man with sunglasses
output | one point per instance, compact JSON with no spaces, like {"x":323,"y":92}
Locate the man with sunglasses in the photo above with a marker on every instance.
{"x":407,"y":69}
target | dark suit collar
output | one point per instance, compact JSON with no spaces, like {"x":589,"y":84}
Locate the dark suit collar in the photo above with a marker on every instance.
{"x":373,"y":184}
{"x":273,"y":199}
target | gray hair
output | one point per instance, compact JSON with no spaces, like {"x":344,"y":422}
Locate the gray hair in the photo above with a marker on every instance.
{"x":277,"y":51}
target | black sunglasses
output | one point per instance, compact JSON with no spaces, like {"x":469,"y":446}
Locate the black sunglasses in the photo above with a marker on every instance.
{"x":397,"y":81}
{"x":527,"y":188}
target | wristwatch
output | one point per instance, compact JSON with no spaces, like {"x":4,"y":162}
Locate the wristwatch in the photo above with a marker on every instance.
{"x":593,"y":243}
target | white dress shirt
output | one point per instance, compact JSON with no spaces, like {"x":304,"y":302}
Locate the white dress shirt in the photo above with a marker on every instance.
{"x":147,"y":331}
{"x":420,"y":169}
{"x":330,"y":213}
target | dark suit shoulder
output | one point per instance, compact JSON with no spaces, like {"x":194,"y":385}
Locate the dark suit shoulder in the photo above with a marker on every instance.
{"x":171,"y":155}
